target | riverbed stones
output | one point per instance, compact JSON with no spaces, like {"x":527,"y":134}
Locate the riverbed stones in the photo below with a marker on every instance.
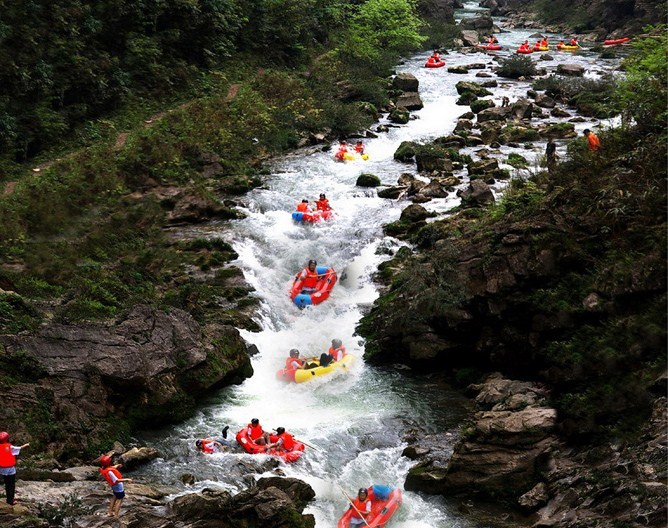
{"x":544,"y":101}
{"x":414,"y":213}
{"x":477,"y":194}
{"x":406,"y":82}
{"x":138,"y":456}
{"x":497,"y":113}
{"x":571,"y":70}
{"x":463,"y":87}
{"x":461,"y":70}
{"x":367,"y":180}
{"x":409,"y":101}
{"x":406,"y":151}
{"x":400,"y":115}
{"x":470,"y":37}
{"x":481,"y":104}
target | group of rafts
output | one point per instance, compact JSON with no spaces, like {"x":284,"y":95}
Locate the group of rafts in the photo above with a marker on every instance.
{"x":373,"y":506}
{"x":435,"y":60}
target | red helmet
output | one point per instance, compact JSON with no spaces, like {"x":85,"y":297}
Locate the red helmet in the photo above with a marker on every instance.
{"x":105,"y":461}
{"x":4,"y":437}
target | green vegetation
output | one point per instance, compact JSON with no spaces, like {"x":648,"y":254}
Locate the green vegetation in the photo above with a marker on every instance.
{"x":591,"y":97}
{"x":517,"y":66}
{"x":71,"y":507}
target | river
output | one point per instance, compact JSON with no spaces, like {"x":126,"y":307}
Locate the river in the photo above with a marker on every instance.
{"x":356,"y":422}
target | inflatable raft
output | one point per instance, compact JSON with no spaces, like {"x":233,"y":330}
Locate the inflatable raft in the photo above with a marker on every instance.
{"x":302,"y":375}
{"x":321,"y":292}
{"x":313,"y":216}
{"x":567,"y":47}
{"x":490,"y":47}
{"x":350,"y":156}
{"x":525,"y":51}
{"x":251,"y":447}
{"x":612,"y":42}
{"x":384,"y":502}
{"x":541,"y":48}
{"x":432,"y":63}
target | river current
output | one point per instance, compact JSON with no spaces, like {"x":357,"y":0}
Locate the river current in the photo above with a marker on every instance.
{"x":356,"y":422}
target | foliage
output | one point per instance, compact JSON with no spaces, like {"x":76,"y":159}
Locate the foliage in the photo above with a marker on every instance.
{"x":71,"y":507}
{"x":644,"y":90}
{"x":516,"y":66}
{"x":591,"y":97}
{"x":16,"y":315}
{"x":518,"y":161}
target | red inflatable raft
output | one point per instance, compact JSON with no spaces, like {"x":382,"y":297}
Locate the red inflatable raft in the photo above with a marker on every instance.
{"x":384,"y":502}
{"x":251,"y":447}
{"x":433,"y":63}
{"x":524,"y":50}
{"x":490,"y":47}
{"x":326,"y":281}
{"x":612,"y":42}
{"x":312,"y":217}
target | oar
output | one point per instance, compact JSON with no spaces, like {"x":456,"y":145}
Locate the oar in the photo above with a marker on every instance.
{"x":353,"y":504}
{"x":305,"y":443}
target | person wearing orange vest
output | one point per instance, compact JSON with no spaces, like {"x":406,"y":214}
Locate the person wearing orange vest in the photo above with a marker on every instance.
{"x":294,"y":362}
{"x":284,"y":441}
{"x":592,"y":140}
{"x":256,"y":433}
{"x":214,"y":445}
{"x":322,"y":204}
{"x":337,"y":350}
{"x":544,"y":43}
{"x":115,"y":480}
{"x":361,"y":507}
{"x":309,"y":276}
{"x":8,"y":454}
{"x":574,"y":42}
{"x":303,"y":207}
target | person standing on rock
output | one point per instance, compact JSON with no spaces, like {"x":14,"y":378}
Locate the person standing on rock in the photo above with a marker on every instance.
{"x":8,"y":454}
{"x":115,"y":480}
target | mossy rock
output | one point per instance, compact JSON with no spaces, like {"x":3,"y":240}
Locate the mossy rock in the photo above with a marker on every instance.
{"x":368,"y":180}
{"x":560,"y":130}
{"x":481,"y":104}
{"x":400,"y":116}
{"x":471,"y":87}
{"x":406,"y":151}
{"x":517,"y":161}
{"x":466,"y":98}
{"x":519,"y":134}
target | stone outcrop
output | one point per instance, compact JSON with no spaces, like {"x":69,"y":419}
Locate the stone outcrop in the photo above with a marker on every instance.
{"x":145,"y":368}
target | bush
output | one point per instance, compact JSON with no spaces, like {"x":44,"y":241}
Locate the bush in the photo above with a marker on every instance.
{"x":69,"y":508}
{"x":515,"y":67}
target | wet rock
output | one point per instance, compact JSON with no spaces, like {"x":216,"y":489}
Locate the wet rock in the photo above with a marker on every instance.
{"x":546,"y":57}
{"x":432,"y":159}
{"x":470,"y":37}
{"x":400,"y":115}
{"x":497,"y":113}
{"x":471,"y":87}
{"x":489,"y":84}
{"x":138,"y":456}
{"x":188,"y":479}
{"x":483,"y":74}
{"x":476,"y":66}
{"x":467,"y":115}
{"x":190,"y":207}
{"x":409,"y":101}
{"x":571,"y":70}
{"x":521,"y":109}
{"x":414,"y":213}
{"x":452,"y":140}
{"x":477,"y":194}
{"x":466,"y":99}
{"x":535,"y":497}
{"x":458,"y":69}
{"x":434,"y":189}
{"x":545,"y":101}
{"x":406,"y":151}
{"x":559,"y":112}
{"x":577,"y":119}
{"x":480,"y":23}
{"x":392,"y":192}
{"x":463,"y":124}
{"x":415,"y":452}
{"x":368,"y":180}
{"x":382,"y":129}
{"x":406,"y":82}
{"x":481,"y":104}
{"x":482,"y":166}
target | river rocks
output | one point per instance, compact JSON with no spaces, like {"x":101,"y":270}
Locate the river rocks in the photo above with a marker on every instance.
{"x":481,"y":104}
{"x":138,"y":456}
{"x":482,"y":23}
{"x":470,"y":37}
{"x":430,"y":158}
{"x":405,"y":151}
{"x":545,"y":101}
{"x":477,"y":194}
{"x":190,"y":207}
{"x":147,"y":365}
{"x":559,"y":112}
{"x":400,"y":115}
{"x":414,"y":213}
{"x":535,"y":497}
{"x":409,"y":101}
{"x":471,"y":87}
{"x":571,"y":70}
{"x":406,"y":82}
{"x":367,"y":180}
{"x":482,"y":166}
{"x":497,"y":113}
{"x":458,"y":69}
{"x":521,"y":109}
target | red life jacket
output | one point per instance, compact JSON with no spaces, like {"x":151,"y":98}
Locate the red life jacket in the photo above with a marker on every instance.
{"x":302,"y":207}
{"x":574,"y":42}
{"x":337,"y":353}
{"x":207,"y":446}
{"x":255,"y":431}
{"x":360,"y":148}
{"x":289,"y":363}
{"x":309,"y":278}
{"x":110,"y":469}
{"x":322,"y":205}
{"x":7,"y":460}
{"x":288,"y":441}
{"x":363,"y":506}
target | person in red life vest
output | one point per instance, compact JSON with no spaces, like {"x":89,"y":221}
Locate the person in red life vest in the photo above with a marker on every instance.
{"x":256,"y":433}
{"x":294,"y":362}
{"x":303,"y":207}
{"x":322,"y":204}
{"x":343,"y":150}
{"x":492,"y":40}
{"x":115,"y":480}
{"x":436,"y":56}
{"x":214,"y":445}
{"x":309,"y":277}
{"x":359,"y":146}
{"x":544,"y":43}
{"x":592,"y":140}
{"x":361,"y":507}
{"x":337,"y":350}
{"x":284,"y":441}
{"x":561,"y":43}
{"x":574,"y":42}
{"x":8,"y":454}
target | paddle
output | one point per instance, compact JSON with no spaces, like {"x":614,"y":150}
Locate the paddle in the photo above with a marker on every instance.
{"x":305,"y":443}
{"x":353,"y":505}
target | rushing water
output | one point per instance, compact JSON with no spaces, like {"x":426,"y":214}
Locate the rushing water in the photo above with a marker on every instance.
{"x":356,"y":422}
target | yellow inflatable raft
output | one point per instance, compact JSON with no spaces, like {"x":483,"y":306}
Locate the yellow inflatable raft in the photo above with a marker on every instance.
{"x":303,"y":375}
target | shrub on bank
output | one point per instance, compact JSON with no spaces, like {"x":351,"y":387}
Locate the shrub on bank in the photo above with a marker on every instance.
{"x":517,"y":66}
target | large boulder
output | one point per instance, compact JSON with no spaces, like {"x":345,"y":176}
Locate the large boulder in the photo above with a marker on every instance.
{"x":400,"y":115}
{"x":406,"y":82}
{"x":477,"y":194}
{"x":479,"y":23}
{"x":368,"y":180}
{"x":414,"y":213}
{"x":571,"y":70}
{"x":470,"y":37}
{"x":463,"y":87}
{"x":406,"y":151}
{"x":409,"y":101}
{"x":497,"y":113}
